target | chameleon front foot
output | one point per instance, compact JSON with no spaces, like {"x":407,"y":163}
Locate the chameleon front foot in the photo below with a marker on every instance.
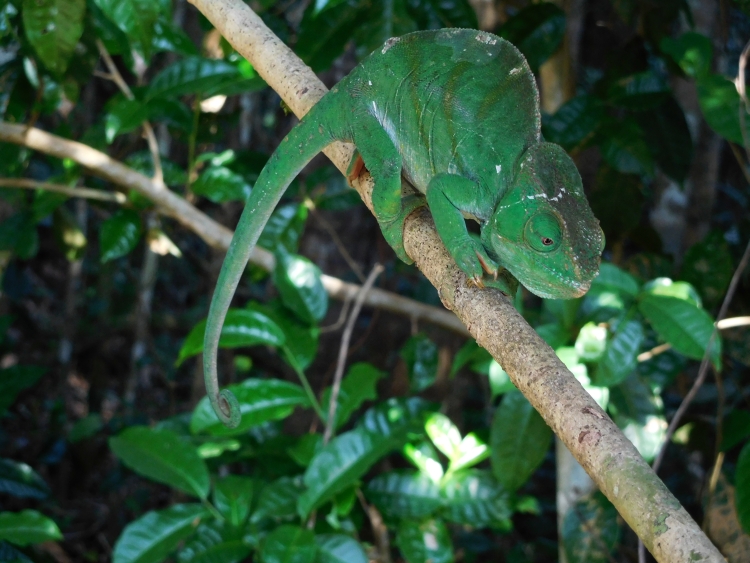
{"x":502,"y":280}
{"x":393,"y":230}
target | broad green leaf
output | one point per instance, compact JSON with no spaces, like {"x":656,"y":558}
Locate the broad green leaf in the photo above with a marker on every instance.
{"x":53,"y":27}
{"x":301,"y":340}
{"x":640,"y":414}
{"x":572,"y":361}
{"x":692,"y":51}
{"x":219,"y":184}
{"x":135,"y":18}
{"x":357,"y":387}
{"x":126,"y":115}
{"x":624,"y":148}
{"x":241,"y":328}
{"x":474,"y":498}
{"x":668,"y":136}
{"x":163,"y":456}
{"x":339,"y":548}
{"x":305,"y":448}
{"x":425,"y":457}
{"x":537,"y":31}
{"x":421,"y":357}
{"x":193,"y":75}
{"x":289,"y":544}
{"x":18,"y":234}
{"x":19,"y":480}
{"x":708,"y":266}
{"x":395,"y":418}
{"x":278,"y":500}
{"x":340,"y":464}
{"x":500,"y":382}
{"x":168,"y":37}
{"x":284,"y":228}
{"x":404,"y":494}
{"x":471,"y":451}
{"x":300,"y":287}
{"x":324,"y":33}
{"x":261,"y":400}
{"x":379,"y":22}
{"x":85,"y":428}
{"x":686,"y":327}
{"x":233,"y":497}
{"x":143,"y":162}
{"x":420,"y":542}
{"x":736,"y":429}
{"x":590,"y":530}
{"x":27,"y":527}
{"x":119,"y":235}
{"x":519,"y":440}
{"x":591,"y":342}
{"x":620,"y":356}
{"x":469,"y":353}
{"x":15,"y":379}
{"x":554,"y":334}
{"x":214,"y":542}
{"x":720,"y":104}
{"x":642,"y":91}
{"x":155,"y":534}
{"x":742,"y":485}
{"x":679,"y":289}
{"x":444,"y":434}
{"x":434,"y":14}
{"x":574,"y":122}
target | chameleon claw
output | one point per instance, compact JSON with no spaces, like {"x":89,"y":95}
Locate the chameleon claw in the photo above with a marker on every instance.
{"x":477,"y":281}
{"x":485,"y":266}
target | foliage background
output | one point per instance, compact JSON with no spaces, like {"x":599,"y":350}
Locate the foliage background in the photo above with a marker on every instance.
{"x":99,"y":298}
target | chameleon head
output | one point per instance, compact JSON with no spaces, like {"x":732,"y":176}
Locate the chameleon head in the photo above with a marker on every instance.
{"x":543,"y":230}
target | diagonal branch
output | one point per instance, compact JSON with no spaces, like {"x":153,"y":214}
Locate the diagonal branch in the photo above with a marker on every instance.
{"x":599,"y":446}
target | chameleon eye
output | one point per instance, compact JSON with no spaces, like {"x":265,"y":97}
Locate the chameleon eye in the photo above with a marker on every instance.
{"x":543,"y":232}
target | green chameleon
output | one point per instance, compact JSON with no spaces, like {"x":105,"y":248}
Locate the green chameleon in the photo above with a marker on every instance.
{"x":456,"y":113}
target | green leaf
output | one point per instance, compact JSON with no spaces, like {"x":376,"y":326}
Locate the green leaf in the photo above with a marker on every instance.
{"x":621,"y":356}
{"x":15,"y":379}
{"x":736,"y":429}
{"x":471,"y":451}
{"x":434,"y":14}
{"x":742,"y":484}
{"x":574,"y":122}
{"x":241,"y":328}
{"x":135,"y":18}
{"x":641,"y":91}
{"x":278,"y":500}
{"x":469,"y":353}
{"x":284,"y":228}
{"x":668,"y":137}
{"x":624,"y":148}
{"x":219,"y":184}
{"x":18,"y":234}
{"x":126,"y":115}
{"x":720,"y":104}
{"x":85,"y":428}
{"x":474,"y":498}
{"x":640,"y":414}
{"x":324,"y":33}
{"x":214,"y":542}
{"x":444,"y":434}
{"x":27,"y":527}
{"x":300,"y":287}
{"x":381,"y":21}
{"x":19,"y":480}
{"x":395,"y":418}
{"x":163,"y":456}
{"x":537,"y":31}
{"x":421,"y":357}
{"x":679,"y":289}
{"x":233,"y":496}
{"x":424,"y":541}
{"x":686,"y":327}
{"x":404,"y":494}
{"x":500,"y":382}
{"x":306,"y":447}
{"x":357,"y":387}
{"x":338,"y":548}
{"x":261,"y":400}
{"x":53,"y":27}
{"x":569,"y":356}
{"x":692,"y":51}
{"x":708,"y":266}
{"x":119,"y":235}
{"x":168,"y":37}
{"x":193,"y":75}
{"x":425,"y":457}
{"x":341,"y":463}
{"x":289,"y":544}
{"x":519,"y":440}
{"x":590,"y":530}
{"x":591,"y":342}
{"x":157,"y":533}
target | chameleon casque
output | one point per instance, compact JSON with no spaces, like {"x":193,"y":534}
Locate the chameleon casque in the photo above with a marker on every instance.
{"x":456,"y":112}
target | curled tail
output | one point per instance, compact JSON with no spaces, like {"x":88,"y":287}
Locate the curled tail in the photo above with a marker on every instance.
{"x":305,"y":141}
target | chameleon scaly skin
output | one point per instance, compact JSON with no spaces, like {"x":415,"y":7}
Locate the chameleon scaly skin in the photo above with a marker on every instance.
{"x":456,"y":112}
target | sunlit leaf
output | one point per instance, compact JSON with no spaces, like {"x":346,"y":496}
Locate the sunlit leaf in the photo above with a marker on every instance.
{"x":284,"y":228}
{"x":163,"y":456}
{"x":720,"y":104}
{"x":444,"y":434}
{"x":425,"y":457}
{"x":27,"y":527}
{"x":424,"y":541}
{"x":404,"y":494}
{"x":692,"y":51}
{"x":299,"y":284}
{"x":53,"y":27}
{"x":150,"y":538}
{"x":679,"y":289}
{"x":135,"y":18}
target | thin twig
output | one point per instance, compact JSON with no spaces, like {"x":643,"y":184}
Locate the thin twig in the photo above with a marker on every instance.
{"x":116,"y":77}
{"x":703,"y":370}
{"x":341,"y":320}
{"x":86,"y":193}
{"x":379,"y":529}
{"x":343,"y":349}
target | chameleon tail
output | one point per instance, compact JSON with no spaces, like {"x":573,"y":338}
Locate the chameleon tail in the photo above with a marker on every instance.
{"x":305,"y":141}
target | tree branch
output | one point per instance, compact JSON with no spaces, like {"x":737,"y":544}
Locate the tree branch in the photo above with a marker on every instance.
{"x":591,"y":436}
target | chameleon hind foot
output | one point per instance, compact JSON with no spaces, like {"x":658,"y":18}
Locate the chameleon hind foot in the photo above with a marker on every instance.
{"x":502,"y":279}
{"x":393,"y":230}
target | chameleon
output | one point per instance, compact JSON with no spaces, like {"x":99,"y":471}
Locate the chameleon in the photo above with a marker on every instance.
{"x":456,"y":113}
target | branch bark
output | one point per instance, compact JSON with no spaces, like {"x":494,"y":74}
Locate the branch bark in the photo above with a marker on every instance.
{"x":641,"y":498}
